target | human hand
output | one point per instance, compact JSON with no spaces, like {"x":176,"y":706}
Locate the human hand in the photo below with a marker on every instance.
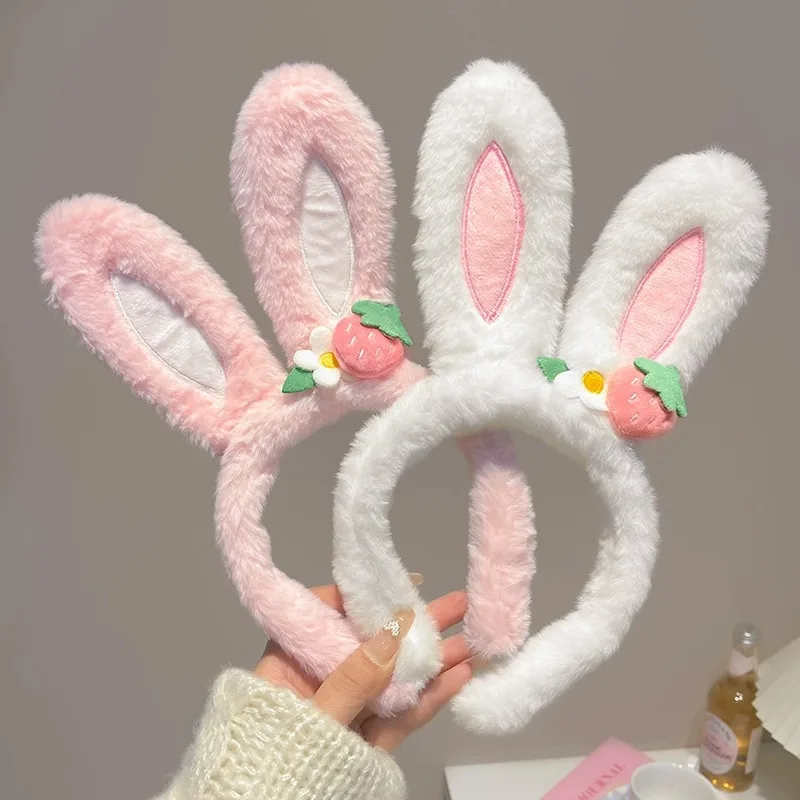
{"x":367,"y":671}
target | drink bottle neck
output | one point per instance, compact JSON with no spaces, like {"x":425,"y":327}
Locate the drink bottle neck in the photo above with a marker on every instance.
{"x":743,"y":661}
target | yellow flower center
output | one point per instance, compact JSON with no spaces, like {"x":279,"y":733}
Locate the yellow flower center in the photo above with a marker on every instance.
{"x":593,"y":381}
{"x":329,"y":360}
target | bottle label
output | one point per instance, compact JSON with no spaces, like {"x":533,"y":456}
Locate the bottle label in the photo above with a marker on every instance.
{"x":718,"y":749}
{"x":752,"y":753}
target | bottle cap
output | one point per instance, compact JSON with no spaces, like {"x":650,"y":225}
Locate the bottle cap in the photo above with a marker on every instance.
{"x":746,"y":634}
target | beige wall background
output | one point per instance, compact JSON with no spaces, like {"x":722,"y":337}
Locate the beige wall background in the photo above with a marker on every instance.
{"x":114,"y":606}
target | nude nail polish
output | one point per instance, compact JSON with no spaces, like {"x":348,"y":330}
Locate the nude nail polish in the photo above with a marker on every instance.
{"x":385,"y":644}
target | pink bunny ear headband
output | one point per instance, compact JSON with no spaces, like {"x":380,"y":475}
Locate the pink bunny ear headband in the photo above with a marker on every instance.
{"x":313,"y":189}
{"x":668,"y":274}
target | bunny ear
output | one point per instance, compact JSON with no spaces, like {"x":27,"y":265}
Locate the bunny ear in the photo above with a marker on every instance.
{"x":314,"y":192}
{"x":149,"y":305}
{"x":493,"y":198}
{"x":672,"y":267}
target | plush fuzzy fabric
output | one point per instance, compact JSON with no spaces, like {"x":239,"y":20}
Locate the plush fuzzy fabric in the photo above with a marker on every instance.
{"x":501,"y":547}
{"x":712,"y":191}
{"x":318,"y":637}
{"x":82,"y":242}
{"x":492,"y":109}
{"x":492,"y":103}
{"x":471,"y":400}
{"x":295,"y":114}
{"x":669,"y":273}
{"x":504,"y":699}
{"x":160,"y":317}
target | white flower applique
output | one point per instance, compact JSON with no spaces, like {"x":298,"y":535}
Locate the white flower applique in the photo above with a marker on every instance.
{"x":590,"y":386}
{"x":643,"y":399}
{"x":316,"y":366}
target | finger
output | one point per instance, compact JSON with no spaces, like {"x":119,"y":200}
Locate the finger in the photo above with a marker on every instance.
{"x":362,"y":717}
{"x":454,"y":651}
{"x":448,"y":610}
{"x":330,"y":596}
{"x":364,"y":673}
{"x":437,"y":694}
{"x":390,"y":734}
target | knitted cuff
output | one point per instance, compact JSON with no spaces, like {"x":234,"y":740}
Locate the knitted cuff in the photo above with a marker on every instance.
{"x":257,"y":741}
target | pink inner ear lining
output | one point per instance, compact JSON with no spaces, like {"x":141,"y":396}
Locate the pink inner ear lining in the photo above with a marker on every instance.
{"x":492,"y":229}
{"x":664,"y":298}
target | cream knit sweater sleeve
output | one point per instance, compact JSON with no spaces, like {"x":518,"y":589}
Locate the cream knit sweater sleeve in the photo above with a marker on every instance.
{"x":258,"y":742}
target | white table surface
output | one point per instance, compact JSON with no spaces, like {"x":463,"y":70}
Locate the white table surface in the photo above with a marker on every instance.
{"x":777,"y":776}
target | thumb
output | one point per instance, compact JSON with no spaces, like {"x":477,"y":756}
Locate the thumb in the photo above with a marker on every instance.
{"x":365,"y":673}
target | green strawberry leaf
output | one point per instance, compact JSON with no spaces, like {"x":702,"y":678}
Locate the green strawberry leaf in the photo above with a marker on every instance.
{"x":665,"y":380}
{"x":552,"y":367}
{"x":298,"y":380}
{"x":383,"y":316}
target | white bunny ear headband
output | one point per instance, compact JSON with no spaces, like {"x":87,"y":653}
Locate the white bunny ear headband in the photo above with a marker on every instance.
{"x":667,"y":276}
{"x":313,"y":189}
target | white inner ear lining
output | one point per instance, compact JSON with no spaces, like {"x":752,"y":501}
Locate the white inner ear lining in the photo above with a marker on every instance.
{"x":453,"y":404}
{"x":326,"y":241}
{"x":167,"y":334}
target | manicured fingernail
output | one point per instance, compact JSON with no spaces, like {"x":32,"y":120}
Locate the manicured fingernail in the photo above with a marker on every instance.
{"x":383,"y":646}
{"x":415,"y":578}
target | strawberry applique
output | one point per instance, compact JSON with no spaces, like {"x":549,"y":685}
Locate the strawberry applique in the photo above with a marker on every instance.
{"x":645,"y":400}
{"x":368,"y":343}
{"x":642,"y":400}
{"x":636,"y":412}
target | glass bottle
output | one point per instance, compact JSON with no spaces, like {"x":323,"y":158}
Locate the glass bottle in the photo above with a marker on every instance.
{"x":732,"y":732}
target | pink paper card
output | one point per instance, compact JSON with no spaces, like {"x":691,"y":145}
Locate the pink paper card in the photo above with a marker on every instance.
{"x":606,"y":769}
